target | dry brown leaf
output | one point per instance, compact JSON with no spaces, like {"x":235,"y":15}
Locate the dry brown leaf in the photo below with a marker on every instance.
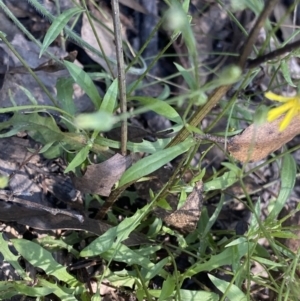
{"x":100,"y":178}
{"x":186,"y":217}
{"x":43,"y":220}
{"x":105,"y":35}
{"x":13,"y":82}
{"x":257,"y":142}
{"x":134,"y":4}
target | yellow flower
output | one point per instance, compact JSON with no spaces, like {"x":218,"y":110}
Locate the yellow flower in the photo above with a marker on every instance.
{"x":290,"y":107}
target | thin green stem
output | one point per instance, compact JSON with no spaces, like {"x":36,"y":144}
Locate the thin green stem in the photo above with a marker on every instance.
{"x":138,"y":54}
{"x":152,"y":64}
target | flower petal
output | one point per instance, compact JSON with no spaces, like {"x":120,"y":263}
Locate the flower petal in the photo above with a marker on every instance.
{"x":276,"y":97}
{"x":276,"y":112}
{"x":287,"y":119}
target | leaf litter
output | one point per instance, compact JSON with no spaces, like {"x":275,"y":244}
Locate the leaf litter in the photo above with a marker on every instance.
{"x":254,"y":144}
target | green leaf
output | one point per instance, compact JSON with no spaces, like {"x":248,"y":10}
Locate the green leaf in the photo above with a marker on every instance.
{"x":16,"y":129}
{"x":288,"y":178}
{"x":85,"y":82}
{"x":108,"y":245}
{"x":110,"y":98}
{"x":122,"y":253}
{"x":226,"y":257}
{"x":12,"y":259}
{"x":63,"y":293}
{"x":114,"y":236}
{"x":26,"y":290}
{"x":189,"y":79}
{"x":45,"y":130}
{"x":29,"y":95}
{"x":232,"y":167}
{"x":165,"y":93}
{"x":101,"y":244}
{"x":78,"y":159}
{"x":187,"y":295}
{"x":41,"y":258}
{"x":163,"y":203}
{"x":153,"y":162}
{"x":271,"y":263}
{"x":222,"y":182}
{"x":286,"y":73}
{"x":233,"y":293}
{"x":155,"y":270}
{"x":145,"y":146}
{"x":59,"y":23}
{"x":214,"y":216}
{"x":160,"y":107}
{"x":167,"y":288}
{"x":64,"y":87}
{"x":13,"y":288}
{"x":61,"y":243}
{"x":46,"y":147}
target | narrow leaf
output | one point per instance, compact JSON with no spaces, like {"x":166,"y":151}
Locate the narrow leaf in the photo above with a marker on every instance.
{"x":187,"y":77}
{"x":78,"y":159}
{"x":160,"y":107}
{"x":188,"y":295}
{"x":167,"y":288}
{"x":41,"y":258}
{"x":64,"y":87}
{"x":115,"y":235}
{"x":233,"y":293}
{"x":11,"y":258}
{"x":153,"y":162}
{"x":288,"y":178}
{"x":286,"y":73}
{"x":85,"y":82}
{"x":222,"y":182}
{"x":109,"y":100}
{"x":59,"y":23}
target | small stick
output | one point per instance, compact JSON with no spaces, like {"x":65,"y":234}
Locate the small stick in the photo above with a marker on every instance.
{"x":272,"y":55}
{"x":209,"y":137}
{"x":8,"y":196}
{"x":121,"y":73}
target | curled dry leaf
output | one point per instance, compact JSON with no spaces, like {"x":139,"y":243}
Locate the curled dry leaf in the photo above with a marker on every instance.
{"x":100,"y":178}
{"x":186,"y":217}
{"x":257,"y":142}
{"x":43,"y":220}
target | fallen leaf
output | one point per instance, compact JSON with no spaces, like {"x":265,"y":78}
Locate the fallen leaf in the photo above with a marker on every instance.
{"x":186,"y":217}
{"x":13,"y":80}
{"x":134,"y":4}
{"x":257,"y":142}
{"x":100,"y":178}
{"x":46,"y":221}
{"x":105,"y":35}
